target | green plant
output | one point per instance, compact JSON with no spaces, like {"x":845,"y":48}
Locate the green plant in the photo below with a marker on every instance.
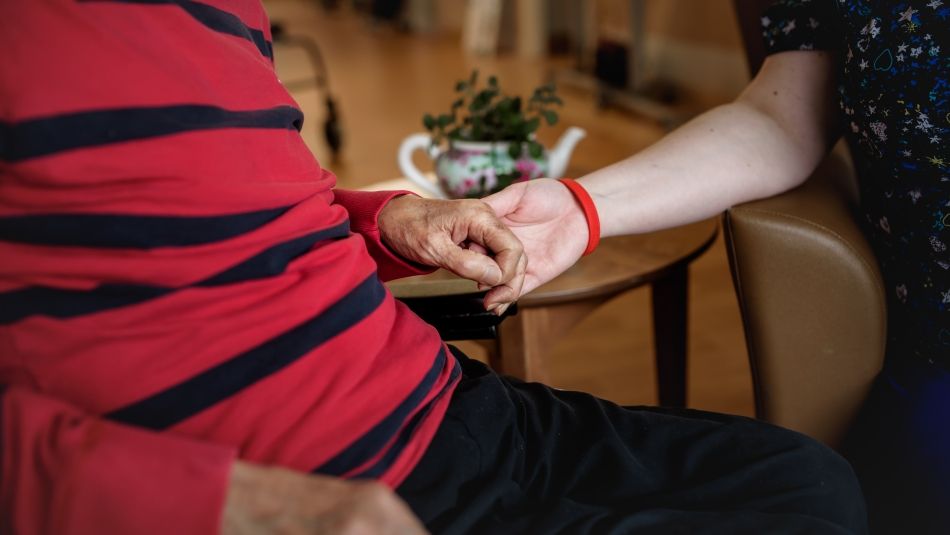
{"x":486,"y":114}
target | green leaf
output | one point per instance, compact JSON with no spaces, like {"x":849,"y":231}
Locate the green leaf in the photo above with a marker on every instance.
{"x":531,"y":125}
{"x":481,"y":100}
{"x":514,"y":150}
{"x":487,"y":114}
{"x":535,"y":149}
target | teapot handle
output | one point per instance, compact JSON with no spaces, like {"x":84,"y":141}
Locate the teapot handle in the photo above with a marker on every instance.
{"x":410,"y":145}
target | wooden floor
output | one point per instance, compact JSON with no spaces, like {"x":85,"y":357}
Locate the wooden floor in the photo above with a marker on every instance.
{"x":384,"y":81}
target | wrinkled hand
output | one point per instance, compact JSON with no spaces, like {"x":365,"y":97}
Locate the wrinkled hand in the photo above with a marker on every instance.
{"x":265,"y":500}
{"x":550,"y":223}
{"x":461,"y":236}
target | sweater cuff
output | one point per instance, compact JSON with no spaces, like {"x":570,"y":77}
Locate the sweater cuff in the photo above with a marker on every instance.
{"x":364,"y":208}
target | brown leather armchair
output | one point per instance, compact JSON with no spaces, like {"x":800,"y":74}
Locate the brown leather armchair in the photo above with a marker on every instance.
{"x":809,"y":289}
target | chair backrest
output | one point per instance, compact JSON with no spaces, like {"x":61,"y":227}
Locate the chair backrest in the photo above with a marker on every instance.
{"x":811,"y":295}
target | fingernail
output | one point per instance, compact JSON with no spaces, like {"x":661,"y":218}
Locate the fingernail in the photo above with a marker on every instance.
{"x":491,"y":307}
{"x":483,"y":287}
{"x":501,"y":310}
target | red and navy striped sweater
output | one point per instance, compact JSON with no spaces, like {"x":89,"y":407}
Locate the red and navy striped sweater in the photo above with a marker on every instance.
{"x":172,"y":256}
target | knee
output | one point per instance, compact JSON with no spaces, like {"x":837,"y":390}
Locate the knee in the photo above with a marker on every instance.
{"x":824,"y":482}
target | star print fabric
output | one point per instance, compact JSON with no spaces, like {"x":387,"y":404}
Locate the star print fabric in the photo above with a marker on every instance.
{"x":894,"y":99}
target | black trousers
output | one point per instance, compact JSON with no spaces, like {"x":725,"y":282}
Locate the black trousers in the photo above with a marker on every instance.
{"x":515,"y":457}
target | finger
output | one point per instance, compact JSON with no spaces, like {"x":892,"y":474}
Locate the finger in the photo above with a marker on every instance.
{"x":518,"y":282}
{"x":467,"y":264}
{"x":472,"y":246}
{"x":530,"y":283}
{"x":507,"y":249}
{"x":502,"y":296}
{"x":488,"y":231}
{"x":507,"y":200}
{"x":497,"y":297}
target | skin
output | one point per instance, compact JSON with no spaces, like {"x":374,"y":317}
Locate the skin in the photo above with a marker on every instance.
{"x":767,"y":141}
{"x":274,"y":500}
{"x":462,"y":236}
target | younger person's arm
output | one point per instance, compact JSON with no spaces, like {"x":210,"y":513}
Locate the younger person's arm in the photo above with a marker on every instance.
{"x":765,"y":142}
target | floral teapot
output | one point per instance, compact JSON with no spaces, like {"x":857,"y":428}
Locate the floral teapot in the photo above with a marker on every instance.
{"x":470,"y":169}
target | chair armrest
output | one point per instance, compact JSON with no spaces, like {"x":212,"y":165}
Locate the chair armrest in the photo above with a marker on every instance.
{"x":812,"y":302}
{"x":458,"y":317}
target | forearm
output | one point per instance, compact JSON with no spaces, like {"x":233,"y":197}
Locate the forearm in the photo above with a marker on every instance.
{"x":726,"y":156}
{"x":766,"y":142}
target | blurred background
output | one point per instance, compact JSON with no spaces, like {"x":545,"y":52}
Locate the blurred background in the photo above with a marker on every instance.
{"x":628,"y":71}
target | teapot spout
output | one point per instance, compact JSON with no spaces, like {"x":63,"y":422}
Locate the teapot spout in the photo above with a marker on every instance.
{"x":560,"y":155}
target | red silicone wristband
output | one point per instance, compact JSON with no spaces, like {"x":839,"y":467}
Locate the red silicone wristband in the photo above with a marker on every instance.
{"x":590,"y":213}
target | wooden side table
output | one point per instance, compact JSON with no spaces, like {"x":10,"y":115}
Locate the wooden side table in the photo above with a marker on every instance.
{"x":660,"y":259}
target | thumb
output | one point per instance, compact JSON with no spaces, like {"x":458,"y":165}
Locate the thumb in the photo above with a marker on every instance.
{"x":507,"y":200}
{"x":468,"y":264}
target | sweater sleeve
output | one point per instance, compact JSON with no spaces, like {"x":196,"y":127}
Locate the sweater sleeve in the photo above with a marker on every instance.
{"x":363,"y":208}
{"x":801,"y":25}
{"x":65,"y":472}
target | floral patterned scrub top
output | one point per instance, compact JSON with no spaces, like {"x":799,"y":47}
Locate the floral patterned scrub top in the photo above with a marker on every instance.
{"x":894,"y":98}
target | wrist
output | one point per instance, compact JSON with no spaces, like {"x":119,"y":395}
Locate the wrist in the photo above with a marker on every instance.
{"x":390,"y":211}
{"x":392,"y":220}
{"x":588,"y":211}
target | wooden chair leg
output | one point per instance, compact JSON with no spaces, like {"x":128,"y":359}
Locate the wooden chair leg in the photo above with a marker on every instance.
{"x":669,"y":331}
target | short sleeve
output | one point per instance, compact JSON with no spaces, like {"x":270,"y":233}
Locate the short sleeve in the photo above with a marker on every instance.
{"x":800,"y":25}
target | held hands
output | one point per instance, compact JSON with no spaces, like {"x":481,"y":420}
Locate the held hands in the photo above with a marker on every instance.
{"x":462,"y":236}
{"x":550,"y":223}
{"x":264,"y":500}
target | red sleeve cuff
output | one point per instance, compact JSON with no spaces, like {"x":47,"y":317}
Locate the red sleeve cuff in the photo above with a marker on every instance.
{"x":363,"y":208}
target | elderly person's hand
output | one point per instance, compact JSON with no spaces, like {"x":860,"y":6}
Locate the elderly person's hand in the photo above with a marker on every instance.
{"x":263,"y":500}
{"x":464,"y":237}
